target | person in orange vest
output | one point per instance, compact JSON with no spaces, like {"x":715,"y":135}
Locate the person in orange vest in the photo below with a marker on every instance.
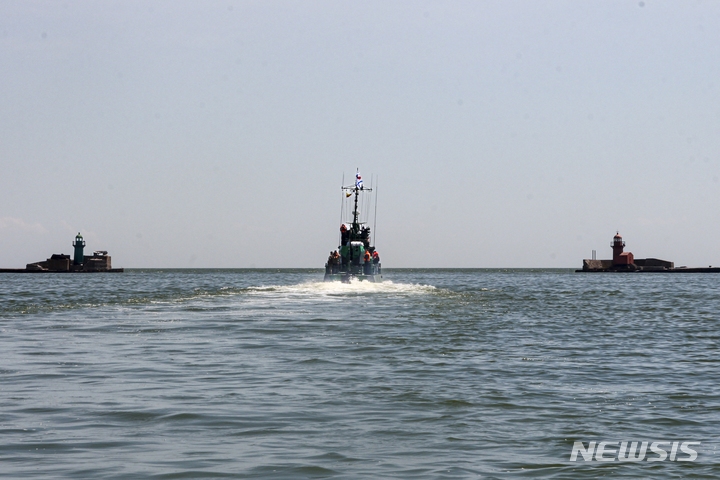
{"x":376,"y":257}
{"x":367,"y":267}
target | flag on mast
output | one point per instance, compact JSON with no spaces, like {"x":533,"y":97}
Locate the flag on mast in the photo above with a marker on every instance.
{"x":358,"y":180}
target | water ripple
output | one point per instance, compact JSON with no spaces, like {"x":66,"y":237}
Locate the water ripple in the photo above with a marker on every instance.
{"x":431,"y":374}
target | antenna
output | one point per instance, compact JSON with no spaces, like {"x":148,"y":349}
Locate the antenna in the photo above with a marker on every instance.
{"x":342,"y":198}
{"x":375,"y":219}
{"x":368,"y":204}
{"x":342,"y":204}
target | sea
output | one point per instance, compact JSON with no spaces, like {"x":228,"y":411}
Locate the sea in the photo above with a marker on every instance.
{"x":430,"y":374}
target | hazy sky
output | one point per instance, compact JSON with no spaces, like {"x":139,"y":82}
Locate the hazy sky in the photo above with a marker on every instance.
{"x":503,"y":133}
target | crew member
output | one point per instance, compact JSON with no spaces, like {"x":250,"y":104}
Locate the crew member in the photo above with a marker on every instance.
{"x":330,"y":261}
{"x":336,"y":261}
{"x":376,"y":257}
{"x":365,"y":236}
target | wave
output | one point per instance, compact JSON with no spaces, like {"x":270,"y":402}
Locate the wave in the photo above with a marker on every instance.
{"x":355,"y":287}
{"x":32,"y":304}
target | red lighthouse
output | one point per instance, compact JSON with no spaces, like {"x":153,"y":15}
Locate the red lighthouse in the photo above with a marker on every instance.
{"x":617,"y":245}
{"x":620,"y":257}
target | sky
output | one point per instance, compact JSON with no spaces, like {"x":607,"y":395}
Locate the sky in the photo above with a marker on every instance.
{"x":505,"y":133}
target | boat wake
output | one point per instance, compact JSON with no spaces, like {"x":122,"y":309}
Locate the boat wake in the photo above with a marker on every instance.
{"x":355,"y":287}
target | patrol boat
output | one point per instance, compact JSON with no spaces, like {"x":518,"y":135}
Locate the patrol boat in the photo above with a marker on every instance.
{"x":355,"y":258}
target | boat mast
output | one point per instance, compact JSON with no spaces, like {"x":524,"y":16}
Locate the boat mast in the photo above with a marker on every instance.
{"x":355,"y":225}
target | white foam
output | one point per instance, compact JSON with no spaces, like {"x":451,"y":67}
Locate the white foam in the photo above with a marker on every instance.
{"x":355,"y":287}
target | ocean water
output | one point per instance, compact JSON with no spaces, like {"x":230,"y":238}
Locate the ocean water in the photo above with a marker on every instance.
{"x":431,"y":374}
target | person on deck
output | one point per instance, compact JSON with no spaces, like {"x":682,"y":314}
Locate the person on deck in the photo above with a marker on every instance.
{"x":367,"y":268}
{"x":336,"y":262}
{"x":344,"y":235}
{"x":365,"y":236}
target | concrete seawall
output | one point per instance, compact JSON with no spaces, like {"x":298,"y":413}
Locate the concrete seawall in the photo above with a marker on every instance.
{"x":25,"y":270}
